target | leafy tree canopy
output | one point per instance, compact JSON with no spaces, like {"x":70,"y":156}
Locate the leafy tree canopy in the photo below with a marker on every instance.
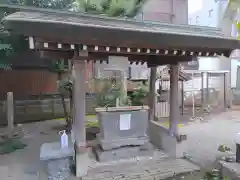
{"x":11,"y":45}
{"x":113,"y":8}
{"x":231,"y":11}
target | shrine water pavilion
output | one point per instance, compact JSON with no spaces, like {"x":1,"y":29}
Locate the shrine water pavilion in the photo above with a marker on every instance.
{"x":82,"y":38}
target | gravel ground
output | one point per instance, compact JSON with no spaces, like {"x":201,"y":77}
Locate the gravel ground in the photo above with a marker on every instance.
{"x":201,"y":145}
{"x":204,"y":138}
{"x":25,"y":164}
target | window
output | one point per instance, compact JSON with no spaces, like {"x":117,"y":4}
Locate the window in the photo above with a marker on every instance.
{"x":189,"y":21}
{"x":197,"y":19}
{"x":210,"y":13}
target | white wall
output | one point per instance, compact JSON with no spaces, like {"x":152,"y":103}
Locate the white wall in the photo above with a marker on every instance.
{"x":210,"y":13}
{"x":234,"y":64}
{"x":207,"y":15}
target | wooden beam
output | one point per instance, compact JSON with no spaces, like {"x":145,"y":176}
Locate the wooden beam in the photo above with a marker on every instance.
{"x":151,"y":60}
{"x":56,"y":54}
{"x":66,"y":45}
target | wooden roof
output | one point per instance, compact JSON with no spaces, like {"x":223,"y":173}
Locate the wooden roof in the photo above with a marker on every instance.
{"x":101,"y":37}
{"x":71,"y":28}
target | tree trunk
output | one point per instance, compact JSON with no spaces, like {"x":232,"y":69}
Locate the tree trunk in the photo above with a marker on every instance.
{"x":68,"y":119}
{"x":70,"y":92}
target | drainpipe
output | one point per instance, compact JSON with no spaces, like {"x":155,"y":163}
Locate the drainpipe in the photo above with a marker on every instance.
{"x":172,"y":11}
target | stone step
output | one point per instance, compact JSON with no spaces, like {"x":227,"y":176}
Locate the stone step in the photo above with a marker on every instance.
{"x":151,"y":169}
{"x":124,"y":152}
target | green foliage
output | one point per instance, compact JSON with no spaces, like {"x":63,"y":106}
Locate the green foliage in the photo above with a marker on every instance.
{"x":237,"y":25}
{"x":5,"y":51}
{"x":58,"y":66}
{"x":232,"y":9}
{"x":139,"y":95}
{"x":214,"y":174}
{"x":66,"y":85}
{"x":18,"y":44}
{"x":92,"y":124}
{"x":11,"y":145}
{"x":223,"y":148}
{"x":108,"y":96}
{"x":113,"y":8}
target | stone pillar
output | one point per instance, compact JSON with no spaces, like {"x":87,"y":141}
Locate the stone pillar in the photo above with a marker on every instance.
{"x":10,"y":113}
{"x":152,"y":93}
{"x":227,"y":90}
{"x":202,"y":88}
{"x":207,"y":90}
{"x":123,"y":88}
{"x":182,"y":96}
{"x":174,"y":104}
{"x":79,"y":86}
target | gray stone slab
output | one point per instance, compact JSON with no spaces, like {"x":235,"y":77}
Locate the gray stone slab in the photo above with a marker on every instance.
{"x":150,"y":169}
{"x":128,"y":141}
{"x":230,"y":169}
{"x":159,"y":136}
{"x":49,"y":151}
{"x":110,"y":123}
{"x":124,"y":152}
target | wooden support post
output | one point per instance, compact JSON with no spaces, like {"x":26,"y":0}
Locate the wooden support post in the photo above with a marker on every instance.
{"x":79,"y":86}
{"x":182,"y":91}
{"x":207,"y":90}
{"x":152,"y":93}
{"x":174,"y":104}
{"x":227,"y":89}
{"x":202,"y":87}
{"x":10,"y":113}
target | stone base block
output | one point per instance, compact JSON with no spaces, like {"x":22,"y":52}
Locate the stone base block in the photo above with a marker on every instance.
{"x":172,"y":145}
{"x":58,"y":160}
{"x":231,"y":170}
{"x":124,"y":152}
{"x":108,"y":145}
{"x":59,"y":168}
{"x":82,"y":163}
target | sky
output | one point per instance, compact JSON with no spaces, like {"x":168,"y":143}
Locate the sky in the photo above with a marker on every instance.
{"x":194,"y":5}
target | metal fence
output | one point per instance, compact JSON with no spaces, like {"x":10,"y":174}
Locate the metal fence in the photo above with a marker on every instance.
{"x":206,"y":92}
{"x":33,"y":103}
{"x":36,"y":95}
{"x":162,"y":108}
{"x":42,"y":107}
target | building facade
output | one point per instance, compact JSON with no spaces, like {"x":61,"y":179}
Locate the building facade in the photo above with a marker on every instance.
{"x":211,"y":13}
{"x":208,"y":13}
{"x":166,"y":11}
{"x":43,"y":81}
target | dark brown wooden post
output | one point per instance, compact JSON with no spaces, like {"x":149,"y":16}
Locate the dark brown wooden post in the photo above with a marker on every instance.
{"x":174,"y":104}
{"x":202,"y":89}
{"x":152,"y":93}
{"x":182,"y":91}
{"x":79,"y":91}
